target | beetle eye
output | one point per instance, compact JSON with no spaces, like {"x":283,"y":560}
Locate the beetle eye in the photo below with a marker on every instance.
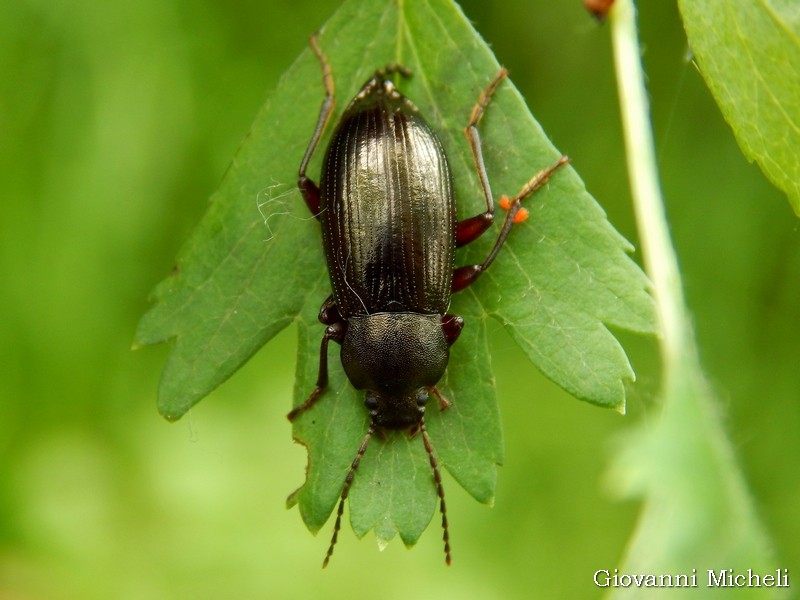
{"x":371,"y":402}
{"x":422,"y":398}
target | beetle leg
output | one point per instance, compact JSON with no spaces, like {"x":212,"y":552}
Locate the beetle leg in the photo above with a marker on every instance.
{"x":310,"y":192}
{"x":471,"y":229}
{"x":333,"y":332}
{"x":466,"y":275}
{"x":452,"y":326}
{"x":308,"y":188}
{"x":444,"y":403}
{"x":329,"y":313}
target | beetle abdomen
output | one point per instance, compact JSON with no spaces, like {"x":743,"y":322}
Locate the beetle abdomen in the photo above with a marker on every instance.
{"x":388,"y":213}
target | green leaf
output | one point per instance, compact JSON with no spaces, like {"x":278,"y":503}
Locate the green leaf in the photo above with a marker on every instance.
{"x":749,"y":55}
{"x":563,"y":278}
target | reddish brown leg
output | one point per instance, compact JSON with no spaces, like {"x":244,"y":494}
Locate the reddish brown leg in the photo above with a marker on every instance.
{"x":308,"y":188}
{"x":472,"y":228}
{"x":444,"y":403}
{"x":335,"y":330}
{"x":466,"y":275}
{"x":452,"y":326}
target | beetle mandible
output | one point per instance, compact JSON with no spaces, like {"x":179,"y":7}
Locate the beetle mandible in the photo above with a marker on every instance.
{"x":389,"y":233}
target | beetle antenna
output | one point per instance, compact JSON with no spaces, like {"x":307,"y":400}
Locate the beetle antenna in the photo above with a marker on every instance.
{"x":346,"y":489}
{"x":439,"y":490}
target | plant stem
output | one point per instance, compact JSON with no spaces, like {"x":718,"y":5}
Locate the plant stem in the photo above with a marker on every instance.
{"x":659,"y":256}
{"x":683,"y":466}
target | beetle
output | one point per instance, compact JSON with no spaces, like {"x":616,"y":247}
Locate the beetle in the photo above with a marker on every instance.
{"x":387,"y":211}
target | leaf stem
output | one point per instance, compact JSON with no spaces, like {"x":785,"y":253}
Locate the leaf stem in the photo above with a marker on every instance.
{"x":660,"y":260}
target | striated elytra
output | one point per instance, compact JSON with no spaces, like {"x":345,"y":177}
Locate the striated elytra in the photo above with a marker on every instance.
{"x":389,"y":231}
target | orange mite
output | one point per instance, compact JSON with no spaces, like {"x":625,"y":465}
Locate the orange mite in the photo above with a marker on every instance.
{"x":522,"y":214}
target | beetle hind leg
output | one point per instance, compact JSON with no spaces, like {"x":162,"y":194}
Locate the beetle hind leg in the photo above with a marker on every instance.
{"x":471,"y":229}
{"x":308,"y":188}
{"x":466,"y":275}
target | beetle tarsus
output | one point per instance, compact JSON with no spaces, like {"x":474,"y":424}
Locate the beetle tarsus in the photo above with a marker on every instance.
{"x":474,"y":136}
{"x":486,"y":97}
{"x":312,"y":399}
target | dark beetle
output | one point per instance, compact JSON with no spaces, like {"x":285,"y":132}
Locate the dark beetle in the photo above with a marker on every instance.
{"x":389,"y":232}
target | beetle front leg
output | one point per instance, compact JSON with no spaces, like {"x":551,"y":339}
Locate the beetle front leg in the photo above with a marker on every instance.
{"x":444,"y":403}
{"x":308,"y":188}
{"x":336,"y":329}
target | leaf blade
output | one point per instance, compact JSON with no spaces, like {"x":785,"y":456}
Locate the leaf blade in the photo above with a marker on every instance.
{"x":467,"y":437}
{"x":276,"y":276}
{"x":749,"y":56}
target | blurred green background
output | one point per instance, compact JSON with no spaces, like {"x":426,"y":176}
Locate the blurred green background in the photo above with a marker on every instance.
{"x":117,"y":121}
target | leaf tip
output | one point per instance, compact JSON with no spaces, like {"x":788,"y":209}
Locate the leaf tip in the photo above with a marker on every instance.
{"x":170,"y":413}
{"x":293,"y":498}
{"x":383,"y":542}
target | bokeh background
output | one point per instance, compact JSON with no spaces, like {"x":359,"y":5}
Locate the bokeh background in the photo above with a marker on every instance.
{"x":117,"y":121}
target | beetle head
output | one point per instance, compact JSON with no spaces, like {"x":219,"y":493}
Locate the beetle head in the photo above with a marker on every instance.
{"x":396,"y":412}
{"x":395,"y":357}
